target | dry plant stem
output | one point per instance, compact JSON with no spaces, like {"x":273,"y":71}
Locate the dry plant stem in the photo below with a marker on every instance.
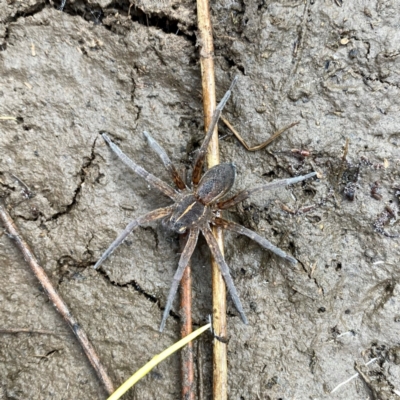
{"x":261,"y":145}
{"x":56,"y":299}
{"x":200,"y":381}
{"x":28,"y":330}
{"x":187,"y":368}
{"x":220,"y":367}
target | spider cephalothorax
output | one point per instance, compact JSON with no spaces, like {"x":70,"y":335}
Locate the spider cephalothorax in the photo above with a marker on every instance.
{"x":197,"y":208}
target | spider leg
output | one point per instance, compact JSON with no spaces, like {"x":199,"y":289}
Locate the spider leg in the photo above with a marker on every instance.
{"x":196,"y":174}
{"x":151,"y":216}
{"x":219,"y":258}
{"x":241,"y":230}
{"x":269,"y":186}
{"x":166,"y":161}
{"x":153,"y":180}
{"x":183,"y":262}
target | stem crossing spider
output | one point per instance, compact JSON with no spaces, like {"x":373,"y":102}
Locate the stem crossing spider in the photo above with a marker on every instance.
{"x":198,"y":207}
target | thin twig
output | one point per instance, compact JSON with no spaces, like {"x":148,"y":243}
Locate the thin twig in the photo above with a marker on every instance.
{"x":352,"y":377}
{"x":261,"y":145}
{"x":298,"y":49}
{"x":57,"y":301}
{"x":187,"y":369}
{"x":220,"y":367}
{"x":29,"y":330}
{"x":27,"y":192}
{"x":200,"y":381}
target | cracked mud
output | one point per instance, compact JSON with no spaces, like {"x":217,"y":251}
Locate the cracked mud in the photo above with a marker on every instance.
{"x":69,"y":76}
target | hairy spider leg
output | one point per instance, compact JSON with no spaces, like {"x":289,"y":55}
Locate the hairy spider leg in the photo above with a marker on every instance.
{"x":241,"y":230}
{"x":219,"y":258}
{"x":183,"y":262}
{"x":180,"y":184}
{"x":149,"y":217}
{"x":243,"y":195}
{"x":153,"y":180}
{"x":198,"y":165}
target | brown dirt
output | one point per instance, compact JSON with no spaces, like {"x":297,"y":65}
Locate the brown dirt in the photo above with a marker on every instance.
{"x":68,"y":76}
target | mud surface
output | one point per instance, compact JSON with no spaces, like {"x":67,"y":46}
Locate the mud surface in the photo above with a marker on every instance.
{"x":68,"y":76}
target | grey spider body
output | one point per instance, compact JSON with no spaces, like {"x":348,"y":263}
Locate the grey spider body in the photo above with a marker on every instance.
{"x":197,"y":208}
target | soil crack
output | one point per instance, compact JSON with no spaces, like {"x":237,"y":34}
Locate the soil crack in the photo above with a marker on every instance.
{"x":135,"y":285}
{"x":123,"y":9}
{"x":27,"y":12}
{"x":82,"y":175}
{"x":367,"y":79}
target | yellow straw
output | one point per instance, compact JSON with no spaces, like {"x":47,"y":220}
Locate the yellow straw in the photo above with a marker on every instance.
{"x":6,"y":117}
{"x":154,"y":361}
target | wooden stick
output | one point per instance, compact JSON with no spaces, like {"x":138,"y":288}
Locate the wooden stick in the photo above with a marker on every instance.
{"x":57,"y":301}
{"x":187,"y":368}
{"x":220,"y":367}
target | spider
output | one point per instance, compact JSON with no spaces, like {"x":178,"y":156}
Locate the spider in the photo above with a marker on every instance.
{"x":197,"y":208}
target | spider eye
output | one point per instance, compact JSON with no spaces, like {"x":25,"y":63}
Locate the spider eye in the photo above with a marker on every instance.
{"x":216,"y":182}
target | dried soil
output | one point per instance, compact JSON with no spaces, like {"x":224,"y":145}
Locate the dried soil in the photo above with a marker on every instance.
{"x":69,"y":75}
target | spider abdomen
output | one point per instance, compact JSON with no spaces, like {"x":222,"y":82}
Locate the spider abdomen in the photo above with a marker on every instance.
{"x":188,"y":212}
{"x":216,"y":182}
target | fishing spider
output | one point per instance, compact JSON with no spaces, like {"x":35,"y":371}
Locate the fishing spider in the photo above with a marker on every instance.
{"x":198,"y":207}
